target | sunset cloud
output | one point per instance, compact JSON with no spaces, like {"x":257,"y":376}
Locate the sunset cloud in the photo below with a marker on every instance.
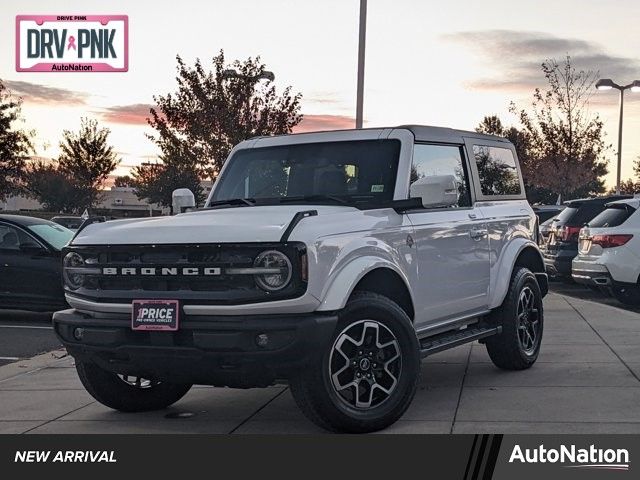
{"x":135,"y":114}
{"x":36,"y":93}
{"x":316,"y":123}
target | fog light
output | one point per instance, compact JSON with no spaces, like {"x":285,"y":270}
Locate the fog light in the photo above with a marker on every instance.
{"x":78,"y":333}
{"x":262,"y":340}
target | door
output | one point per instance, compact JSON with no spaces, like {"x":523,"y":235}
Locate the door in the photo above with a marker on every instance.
{"x":452,"y":243}
{"x":29,"y":272}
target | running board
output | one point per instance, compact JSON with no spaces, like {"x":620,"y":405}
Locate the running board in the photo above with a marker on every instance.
{"x":444,"y":341}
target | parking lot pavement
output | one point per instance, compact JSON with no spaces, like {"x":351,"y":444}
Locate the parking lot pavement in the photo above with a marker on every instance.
{"x":25,"y":334}
{"x":585,"y":381}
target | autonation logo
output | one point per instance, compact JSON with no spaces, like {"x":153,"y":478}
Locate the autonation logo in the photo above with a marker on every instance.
{"x":574,"y":457}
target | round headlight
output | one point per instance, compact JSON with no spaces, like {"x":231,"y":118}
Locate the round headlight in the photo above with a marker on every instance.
{"x":71,"y":263}
{"x":277,"y":270}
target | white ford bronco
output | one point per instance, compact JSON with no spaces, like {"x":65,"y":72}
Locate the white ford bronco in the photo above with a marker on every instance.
{"x":332,"y":261}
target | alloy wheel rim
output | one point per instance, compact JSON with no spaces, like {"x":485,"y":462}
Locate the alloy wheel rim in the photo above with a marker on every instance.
{"x":365,"y":364}
{"x":528,"y":317}
{"x":137,"y":382}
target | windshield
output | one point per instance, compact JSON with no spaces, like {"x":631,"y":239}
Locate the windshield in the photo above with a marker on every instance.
{"x":55,"y":235}
{"x":613,"y":216}
{"x":359,"y":173}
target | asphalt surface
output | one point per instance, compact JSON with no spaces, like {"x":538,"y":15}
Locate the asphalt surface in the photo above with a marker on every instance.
{"x":24,"y":335}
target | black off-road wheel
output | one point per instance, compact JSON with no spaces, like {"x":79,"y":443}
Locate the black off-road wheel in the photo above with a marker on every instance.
{"x":521,"y":316}
{"x":364,"y":379}
{"x":128,"y":393}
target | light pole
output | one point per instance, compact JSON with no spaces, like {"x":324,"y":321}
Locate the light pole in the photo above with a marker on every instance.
{"x":608,"y":84}
{"x":361,"y":44}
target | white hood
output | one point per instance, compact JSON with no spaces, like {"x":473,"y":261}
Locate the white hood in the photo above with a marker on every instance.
{"x":241,"y":224}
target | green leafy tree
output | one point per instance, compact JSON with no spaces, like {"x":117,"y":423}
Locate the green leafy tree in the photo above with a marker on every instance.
{"x":211,"y":111}
{"x":51,"y":187}
{"x":15,"y":144}
{"x":157,"y":181}
{"x":123,"y":181}
{"x":87,"y":159}
{"x":566,"y":151}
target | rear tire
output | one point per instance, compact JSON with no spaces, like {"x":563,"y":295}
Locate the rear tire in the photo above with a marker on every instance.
{"x":115,"y":392}
{"x":521,"y":316}
{"x":627,"y":294}
{"x":364,"y":379}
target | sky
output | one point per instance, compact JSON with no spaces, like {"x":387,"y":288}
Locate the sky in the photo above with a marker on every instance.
{"x":427,"y":62}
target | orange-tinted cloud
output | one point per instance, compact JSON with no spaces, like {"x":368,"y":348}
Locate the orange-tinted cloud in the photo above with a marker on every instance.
{"x":317,"y":123}
{"x":135,"y":114}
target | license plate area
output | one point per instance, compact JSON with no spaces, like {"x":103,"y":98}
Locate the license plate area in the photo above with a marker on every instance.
{"x":155,"y":315}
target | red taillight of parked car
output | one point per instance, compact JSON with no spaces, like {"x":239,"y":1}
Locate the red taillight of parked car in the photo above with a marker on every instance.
{"x":568,"y":234}
{"x":610,"y":241}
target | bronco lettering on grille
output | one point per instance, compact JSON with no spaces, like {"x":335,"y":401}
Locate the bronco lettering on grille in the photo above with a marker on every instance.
{"x":164,"y":271}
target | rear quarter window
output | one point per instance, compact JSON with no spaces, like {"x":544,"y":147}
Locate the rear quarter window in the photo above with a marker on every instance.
{"x":612,"y":216}
{"x":497,"y":170}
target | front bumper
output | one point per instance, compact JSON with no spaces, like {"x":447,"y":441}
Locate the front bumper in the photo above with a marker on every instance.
{"x":220,"y":351}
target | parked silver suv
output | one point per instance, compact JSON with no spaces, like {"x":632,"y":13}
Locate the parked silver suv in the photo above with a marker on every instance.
{"x":334,"y":261}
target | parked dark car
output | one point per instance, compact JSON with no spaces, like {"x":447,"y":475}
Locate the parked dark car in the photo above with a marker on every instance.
{"x":547,"y":212}
{"x":30,"y":265}
{"x":72,"y":223}
{"x":562,"y":240}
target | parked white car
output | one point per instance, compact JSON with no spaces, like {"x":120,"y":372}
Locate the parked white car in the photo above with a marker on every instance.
{"x":334,"y":261}
{"x":609,"y":251}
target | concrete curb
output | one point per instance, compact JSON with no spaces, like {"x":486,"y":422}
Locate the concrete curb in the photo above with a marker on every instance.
{"x":33,"y":364}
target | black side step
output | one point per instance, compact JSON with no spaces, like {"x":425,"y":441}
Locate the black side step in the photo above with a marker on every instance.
{"x":444,"y":341}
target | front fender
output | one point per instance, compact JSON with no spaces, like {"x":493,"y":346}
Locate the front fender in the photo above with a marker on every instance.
{"x":339,"y":288}
{"x":501,"y":272}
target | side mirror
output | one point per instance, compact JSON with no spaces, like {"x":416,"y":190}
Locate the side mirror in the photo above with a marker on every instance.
{"x":182,"y":200}
{"x":435,"y":191}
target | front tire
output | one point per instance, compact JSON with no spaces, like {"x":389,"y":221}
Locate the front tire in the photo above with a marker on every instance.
{"x":126,"y":393}
{"x":364,"y":379}
{"x":521,"y":316}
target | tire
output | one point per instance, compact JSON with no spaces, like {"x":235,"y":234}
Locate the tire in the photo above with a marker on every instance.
{"x":115,"y":392}
{"x":387,"y":378}
{"x":518,"y":346}
{"x":627,"y":294}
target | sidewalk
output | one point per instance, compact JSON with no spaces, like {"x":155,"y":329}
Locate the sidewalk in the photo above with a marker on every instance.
{"x":587,"y":380}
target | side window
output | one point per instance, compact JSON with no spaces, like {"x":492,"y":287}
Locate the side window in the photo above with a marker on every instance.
{"x":9,"y":239}
{"x":431,"y":160}
{"x":497,"y":171}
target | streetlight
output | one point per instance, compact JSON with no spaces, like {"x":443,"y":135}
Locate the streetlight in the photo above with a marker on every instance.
{"x":608,"y":84}
{"x":362,"y":36}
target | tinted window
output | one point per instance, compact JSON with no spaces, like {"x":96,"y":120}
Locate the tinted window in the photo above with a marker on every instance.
{"x":9,"y":238}
{"x":357,"y":171}
{"x":429,"y":160}
{"x":613,"y":216}
{"x":577,"y":215}
{"x":497,"y":170}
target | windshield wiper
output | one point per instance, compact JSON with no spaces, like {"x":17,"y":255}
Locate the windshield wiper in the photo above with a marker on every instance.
{"x":250,"y":202}
{"x":313,"y":198}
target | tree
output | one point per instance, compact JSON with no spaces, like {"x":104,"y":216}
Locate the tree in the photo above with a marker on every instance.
{"x":210,"y":112}
{"x":53,"y":188}
{"x":567,"y":151}
{"x":157,"y":181}
{"x":15,"y":144}
{"x":123,"y":181}
{"x":87,"y":160}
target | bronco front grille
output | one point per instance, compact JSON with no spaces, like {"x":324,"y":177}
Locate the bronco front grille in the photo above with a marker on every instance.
{"x":156,"y":271}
